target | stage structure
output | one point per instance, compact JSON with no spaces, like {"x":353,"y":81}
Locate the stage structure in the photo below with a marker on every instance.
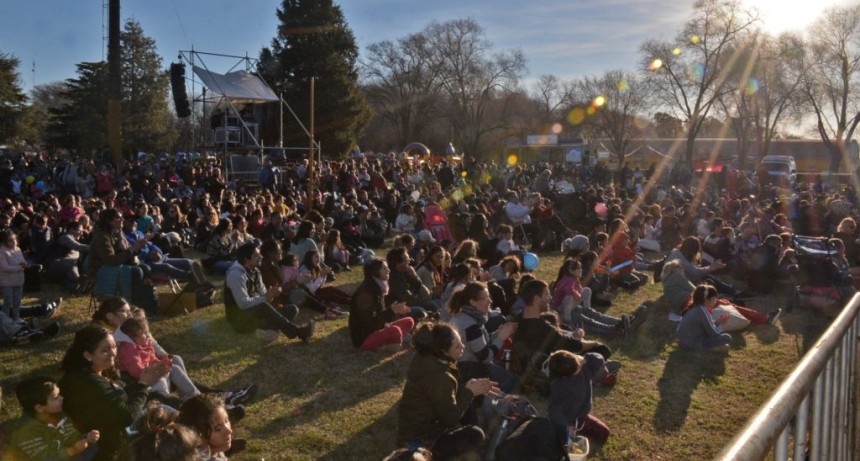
{"x":232,"y":107}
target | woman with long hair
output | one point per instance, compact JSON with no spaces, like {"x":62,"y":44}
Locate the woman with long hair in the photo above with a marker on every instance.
{"x":434,"y":401}
{"x":317,"y":276}
{"x":93,"y":396}
{"x":372,"y":323}
{"x":432,"y":271}
{"x":471,"y":310}
{"x":207,"y":416}
{"x":336,"y":254}
{"x":304,"y":242}
{"x":698,"y":330}
{"x":112,"y":262}
{"x":689,"y":254}
{"x":221,"y":252}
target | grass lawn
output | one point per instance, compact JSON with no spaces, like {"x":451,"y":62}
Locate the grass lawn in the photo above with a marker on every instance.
{"x":326,"y":401}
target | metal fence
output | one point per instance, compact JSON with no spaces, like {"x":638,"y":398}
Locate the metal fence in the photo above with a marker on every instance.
{"x":813,"y":414}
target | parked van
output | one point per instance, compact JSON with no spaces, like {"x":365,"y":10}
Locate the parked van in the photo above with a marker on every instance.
{"x":778,"y":169}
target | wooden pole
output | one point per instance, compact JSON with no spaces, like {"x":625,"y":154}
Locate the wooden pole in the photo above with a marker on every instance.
{"x":311,"y":160}
{"x":281,"y":120}
{"x":114,"y":86}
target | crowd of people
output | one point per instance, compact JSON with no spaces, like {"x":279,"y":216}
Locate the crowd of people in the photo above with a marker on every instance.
{"x":453,"y":283}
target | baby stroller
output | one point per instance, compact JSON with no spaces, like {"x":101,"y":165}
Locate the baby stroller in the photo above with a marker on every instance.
{"x":819,"y":279}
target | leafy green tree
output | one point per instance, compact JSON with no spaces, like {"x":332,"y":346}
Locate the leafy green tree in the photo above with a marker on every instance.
{"x":81,"y":123}
{"x":147,"y":120}
{"x":33,"y":124}
{"x":12,"y":99}
{"x":314,"y":41}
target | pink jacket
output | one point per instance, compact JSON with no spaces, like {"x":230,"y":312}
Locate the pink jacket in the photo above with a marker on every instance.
{"x":11,"y":267}
{"x":568,"y":285}
{"x":133,"y":358}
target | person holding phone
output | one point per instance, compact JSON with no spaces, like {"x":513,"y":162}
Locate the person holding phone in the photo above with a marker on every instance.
{"x":698,"y":330}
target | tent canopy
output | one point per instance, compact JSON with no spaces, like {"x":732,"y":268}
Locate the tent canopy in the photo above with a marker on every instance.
{"x":239,"y":87}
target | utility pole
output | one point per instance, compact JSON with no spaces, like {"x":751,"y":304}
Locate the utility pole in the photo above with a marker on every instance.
{"x":114,"y":84}
{"x":311,"y":168}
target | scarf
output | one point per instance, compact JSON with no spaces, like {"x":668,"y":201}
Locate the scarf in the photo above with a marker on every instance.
{"x":383,"y":285}
{"x":473,"y":312}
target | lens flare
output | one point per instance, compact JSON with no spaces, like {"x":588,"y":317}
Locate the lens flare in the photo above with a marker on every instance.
{"x":576,"y":116}
{"x":591,"y":110}
{"x":752,"y":86}
{"x":556,"y":128}
{"x":513,"y":159}
{"x":623,"y":86}
{"x":599,"y":101}
{"x":464,"y":173}
{"x":457,"y":195}
{"x":676,"y":51}
{"x":655,"y":64}
{"x":695,"y":40}
{"x":640,"y":122}
{"x":696,"y":72}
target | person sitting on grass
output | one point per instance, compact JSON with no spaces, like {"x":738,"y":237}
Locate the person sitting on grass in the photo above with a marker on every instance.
{"x":483,"y":333}
{"x":372,"y":323}
{"x":114,"y":311}
{"x":433,"y":401}
{"x":93,"y":396}
{"x":43,"y":432}
{"x":248,"y":302}
{"x":697,"y":329}
{"x":205,"y":414}
{"x":570,"y":395}
{"x":536,"y":338}
{"x":161,"y":438}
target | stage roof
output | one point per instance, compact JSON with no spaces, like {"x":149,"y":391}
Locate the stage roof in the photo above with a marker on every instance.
{"x":239,"y":87}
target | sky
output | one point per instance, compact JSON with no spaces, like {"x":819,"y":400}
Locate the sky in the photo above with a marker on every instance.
{"x":567,"y":38}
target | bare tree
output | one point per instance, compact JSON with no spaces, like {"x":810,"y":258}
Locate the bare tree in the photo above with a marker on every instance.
{"x":765,"y":81}
{"x":472,"y":77}
{"x":552,"y":94}
{"x":402,"y":84}
{"x":616,"y":99}
{"x":830,"y":81}
{"x":687,"y":75}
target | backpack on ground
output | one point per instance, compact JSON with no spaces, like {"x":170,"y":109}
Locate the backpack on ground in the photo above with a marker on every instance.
{"x":500,"y":417}
{"x":535,"y":439}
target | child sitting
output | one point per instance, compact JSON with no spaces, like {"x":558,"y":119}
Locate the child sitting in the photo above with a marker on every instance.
{"x":506,"y":245}
{"x":43,"y":432}
{"x":570,"y":395}
{"x":135,"y":355}
{"x":573,"y":303}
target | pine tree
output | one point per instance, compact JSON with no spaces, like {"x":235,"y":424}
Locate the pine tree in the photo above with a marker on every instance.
{"x":314,"y":41}
{"x":11,"y":98}
{"x":81,"y":122}
{"x":147,"y":120}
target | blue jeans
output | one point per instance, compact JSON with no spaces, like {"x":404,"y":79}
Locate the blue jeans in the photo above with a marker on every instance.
{"x":175,"y":268}
{"x":221,"y":267}
{"x":12,"y":301}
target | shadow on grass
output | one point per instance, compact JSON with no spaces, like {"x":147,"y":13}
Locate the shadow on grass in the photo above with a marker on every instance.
{"x":806,"y":325}
{"x":651,"y":338}
{"x":682,"y":374}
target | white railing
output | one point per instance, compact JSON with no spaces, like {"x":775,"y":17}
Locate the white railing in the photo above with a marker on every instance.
{"x":815,"y":407}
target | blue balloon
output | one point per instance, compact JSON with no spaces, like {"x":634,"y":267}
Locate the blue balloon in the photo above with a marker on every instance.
{"x":40,"y":185}
{"x":530,"y":261}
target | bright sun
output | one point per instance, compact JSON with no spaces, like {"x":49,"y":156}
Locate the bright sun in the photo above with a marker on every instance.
{"x":779,"y":16}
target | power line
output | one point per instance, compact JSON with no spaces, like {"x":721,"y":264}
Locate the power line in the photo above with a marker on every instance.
{"x":181,"y":26}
